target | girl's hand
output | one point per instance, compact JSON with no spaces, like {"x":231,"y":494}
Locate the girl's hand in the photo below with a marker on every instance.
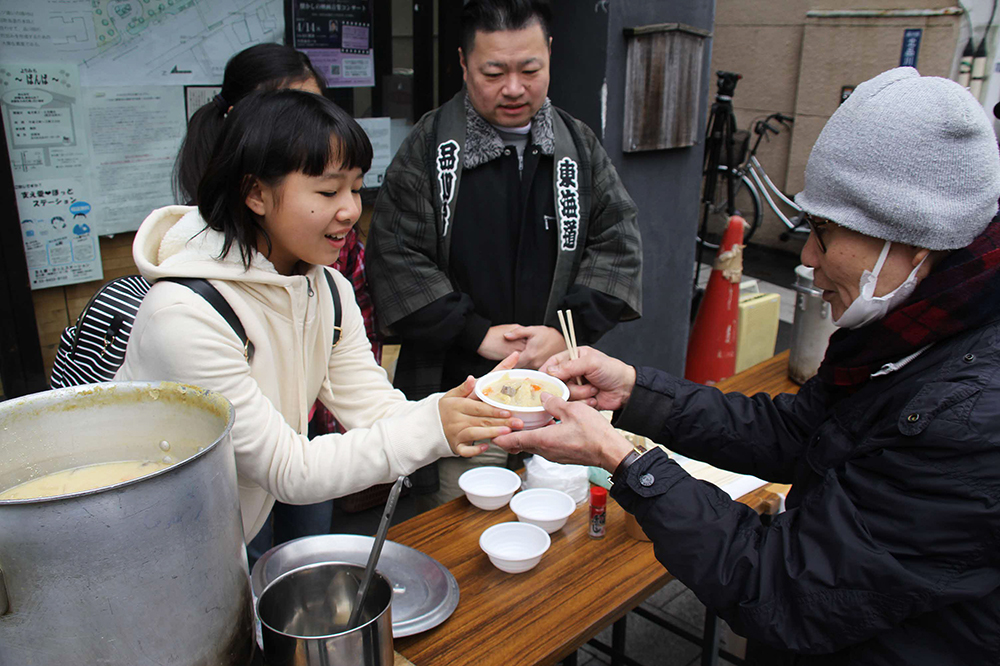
{"x":467,"y":421}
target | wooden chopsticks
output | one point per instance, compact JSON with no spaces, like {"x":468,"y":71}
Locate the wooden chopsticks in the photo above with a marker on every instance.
{"x":569,"y":335}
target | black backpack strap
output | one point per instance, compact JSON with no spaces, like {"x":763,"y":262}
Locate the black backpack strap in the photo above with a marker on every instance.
{"x":336,"y":306}
{"x":205,"y":289}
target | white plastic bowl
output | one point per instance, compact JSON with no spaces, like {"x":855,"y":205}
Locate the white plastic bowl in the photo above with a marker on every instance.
{"x":533,"y":417}
{"x":489,"y":488}
{"x":544,"y":507}
{"x":514,"y":547}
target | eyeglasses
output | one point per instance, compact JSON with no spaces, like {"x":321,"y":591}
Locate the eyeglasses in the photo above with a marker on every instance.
{"x":818,"y":227}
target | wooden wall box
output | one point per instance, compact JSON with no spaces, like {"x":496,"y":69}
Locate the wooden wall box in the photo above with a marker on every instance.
{"x":663,"y":86}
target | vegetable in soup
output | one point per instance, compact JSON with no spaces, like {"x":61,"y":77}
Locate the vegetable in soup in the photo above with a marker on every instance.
{"x":520,"y":391}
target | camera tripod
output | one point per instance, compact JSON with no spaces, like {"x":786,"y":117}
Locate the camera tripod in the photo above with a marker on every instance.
{"x":734,"y":181}
{"x":719,"y":137}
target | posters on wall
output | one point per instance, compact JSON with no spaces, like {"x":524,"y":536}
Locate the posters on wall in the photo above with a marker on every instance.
{"x":59,"y":244}
{"x":337,"y":37}
{"x":138,"y":42}
{"x":379,"y":133}
{"x":48,"y":148}
{"x":107,"y":143}
{"x":196,"y":97}
{"x":135,"y":133}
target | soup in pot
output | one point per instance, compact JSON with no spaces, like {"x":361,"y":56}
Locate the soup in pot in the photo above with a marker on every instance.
{"x":80,"y":479}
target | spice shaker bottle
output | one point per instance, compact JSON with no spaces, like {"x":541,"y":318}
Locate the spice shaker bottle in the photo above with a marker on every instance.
{"x":598,"y":504}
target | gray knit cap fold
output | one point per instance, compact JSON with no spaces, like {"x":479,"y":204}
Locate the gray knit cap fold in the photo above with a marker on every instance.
{"x":909,"y":159}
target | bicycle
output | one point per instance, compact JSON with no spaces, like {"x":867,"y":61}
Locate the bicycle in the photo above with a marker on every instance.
{"x":736,"y":190}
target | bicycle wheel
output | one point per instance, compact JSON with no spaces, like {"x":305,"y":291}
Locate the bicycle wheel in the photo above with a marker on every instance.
{"x":710,"y":230}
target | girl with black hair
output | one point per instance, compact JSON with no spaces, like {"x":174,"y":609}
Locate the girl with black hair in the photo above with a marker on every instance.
{"x":258,"y":68}
{"x":278,"y":197}
{"x":274,"y":67}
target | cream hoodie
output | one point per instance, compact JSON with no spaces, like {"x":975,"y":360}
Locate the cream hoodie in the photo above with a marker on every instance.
{"x":178,"y":335}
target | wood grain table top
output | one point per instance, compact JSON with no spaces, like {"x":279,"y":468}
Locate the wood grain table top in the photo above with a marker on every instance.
{"x":581,"y":586}
{"x":770,"y":376}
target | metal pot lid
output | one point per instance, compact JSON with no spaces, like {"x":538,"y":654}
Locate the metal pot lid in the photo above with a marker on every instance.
{"x":425,"y":594}
{"x":804,"y":276}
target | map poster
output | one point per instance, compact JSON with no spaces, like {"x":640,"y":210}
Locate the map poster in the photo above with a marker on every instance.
{"x":138,"y":42}
{"x":50,"y":166}
{"x":337,"y":37}
{"x":43,"y":120}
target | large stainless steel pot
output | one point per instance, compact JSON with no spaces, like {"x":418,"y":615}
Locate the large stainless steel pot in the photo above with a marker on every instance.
{"x":150,"y":571}
{"x":811,"y":328}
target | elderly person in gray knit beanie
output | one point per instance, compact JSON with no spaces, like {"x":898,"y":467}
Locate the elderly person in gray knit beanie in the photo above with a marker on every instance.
{"x":908,"y":165}
{"x":887,"y":552}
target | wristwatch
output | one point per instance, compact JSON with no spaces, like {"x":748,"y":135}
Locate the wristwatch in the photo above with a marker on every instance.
{"x":630,"y":457}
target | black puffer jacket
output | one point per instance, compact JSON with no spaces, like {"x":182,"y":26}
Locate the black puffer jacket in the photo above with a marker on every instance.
{"x":889,"y":552}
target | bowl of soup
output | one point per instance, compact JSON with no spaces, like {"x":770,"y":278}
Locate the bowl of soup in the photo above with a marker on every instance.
{"x":520,"y":393}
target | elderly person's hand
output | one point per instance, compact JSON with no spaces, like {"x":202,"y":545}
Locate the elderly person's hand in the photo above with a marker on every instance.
{"x":582,"y":437}
{"x":609,"y":382}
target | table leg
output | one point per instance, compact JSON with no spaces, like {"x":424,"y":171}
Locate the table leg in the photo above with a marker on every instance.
{"x":618,"y":642}
{"x":569,"y":660}
{"x":710,"y":640}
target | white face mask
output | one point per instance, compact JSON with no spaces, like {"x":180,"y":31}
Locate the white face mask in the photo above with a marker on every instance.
{"x":867,"y":307}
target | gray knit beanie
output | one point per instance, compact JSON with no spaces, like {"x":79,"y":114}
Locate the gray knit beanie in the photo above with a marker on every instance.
{"x":909,"y":159}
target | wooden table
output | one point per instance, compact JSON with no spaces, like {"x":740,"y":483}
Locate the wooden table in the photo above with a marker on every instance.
{"x":581,"y":586}
{"x":770,"y":376}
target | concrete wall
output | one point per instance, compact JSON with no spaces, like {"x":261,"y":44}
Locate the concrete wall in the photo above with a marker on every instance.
{"x":797,"y":65}
{"x":840,"y":52}
{"x":979,"y":20}
{"x":589,"y":49}
{"x":762,"y":40}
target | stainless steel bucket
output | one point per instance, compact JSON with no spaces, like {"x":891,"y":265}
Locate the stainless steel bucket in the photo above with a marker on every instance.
{"x":149,"y":571}
{"x":304,"y":615}
{"x":812,"y":327}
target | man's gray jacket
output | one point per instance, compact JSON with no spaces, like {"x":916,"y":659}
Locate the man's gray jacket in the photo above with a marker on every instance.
{"x":409,"y":246}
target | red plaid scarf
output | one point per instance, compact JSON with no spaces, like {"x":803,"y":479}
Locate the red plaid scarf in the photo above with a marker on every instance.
{"x":961,"y":293}
{"x":351,"y":264}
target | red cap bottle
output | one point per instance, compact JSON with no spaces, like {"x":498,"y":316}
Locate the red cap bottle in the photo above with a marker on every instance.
{"x":598,"y":503}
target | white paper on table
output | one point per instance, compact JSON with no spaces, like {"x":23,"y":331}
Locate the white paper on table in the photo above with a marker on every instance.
{"x":731,"y":483}
{"x":135,"y":134}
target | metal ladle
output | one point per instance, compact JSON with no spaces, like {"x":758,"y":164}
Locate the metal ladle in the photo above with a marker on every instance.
{"x":383,"y":528}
